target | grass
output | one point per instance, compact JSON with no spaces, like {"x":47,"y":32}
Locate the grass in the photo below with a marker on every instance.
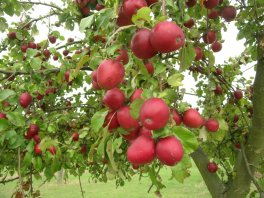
{"x":193,"y":187}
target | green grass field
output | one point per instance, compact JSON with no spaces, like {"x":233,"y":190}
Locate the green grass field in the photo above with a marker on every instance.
{"x":193,"y":187}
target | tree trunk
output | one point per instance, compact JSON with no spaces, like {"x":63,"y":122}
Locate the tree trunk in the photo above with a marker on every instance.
{"x":60,"y":177}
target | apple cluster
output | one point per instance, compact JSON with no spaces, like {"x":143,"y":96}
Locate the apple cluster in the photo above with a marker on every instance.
{"x":86,"y":5}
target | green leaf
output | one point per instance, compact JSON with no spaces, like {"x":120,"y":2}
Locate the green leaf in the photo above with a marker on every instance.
{"x":175,"y":80}
{"x":3,"y":25}
{"x":6,"y":93}
{"x":180,"y":171}
{"x":86,"y":22}
{"x":31,"y":52}
{"x":135,"y":108}
{"x":186,"y":56}
{"x":37,"y":163}
{"x":170,"y":3}
{"x":98,"y":119}
{"x":35,"y":63}
{"x":16,"y":118}
{"x":188,"y":138}
{"x":27,"y":159}
{"x":143,"y":14}
{"x":80,"y":64}
{"x":110,"y":154}
{"x":165,"y":131}
{"x":155,"y":178}
{"x":3,"y":125}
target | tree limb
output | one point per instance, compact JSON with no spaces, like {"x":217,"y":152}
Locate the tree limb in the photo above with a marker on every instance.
{"x":41,"y":3}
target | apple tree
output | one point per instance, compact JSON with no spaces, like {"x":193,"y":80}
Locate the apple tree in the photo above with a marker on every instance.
{"x":112,"y":102}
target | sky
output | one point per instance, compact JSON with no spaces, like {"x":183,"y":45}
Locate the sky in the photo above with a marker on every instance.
{"x":231,"y":46}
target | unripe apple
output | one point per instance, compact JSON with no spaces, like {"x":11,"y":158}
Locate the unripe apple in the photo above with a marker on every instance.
{"x":37,"y":149}
{"x":11,"y":35}
{"x":145,"y":131}
{"x":52,"y":150}
{"x":212,"y":125}
{"x":3,"y":116}
{"x":52,"y":39}
{"x":150,"y":68}
{"x":199,"y":54}
{"x":169,"y":150}
{"x":209,"y":37}
{"x":130,"y":7}
{"x":141,"y":46}
{"x":238,"y":94}
{"x":212,"y":167}
{"x":213,"y":14}
{"x":131,"y":135}
{"x":114,"y":98}
{"x":216,"y":46}
{"x":176,"y":117}
{"x":228,"y":13}
{"x":210,"y":4}
{"x":125,"y":119}
{"x":141,"y":151}
{"x":136,"y":95}
{"x":123,"y":57}
{"x":192,"y":118}
{"x":111,"y":121}
{"x":154,"y":114}
{"x":110,"y":74}
{"x":25,"y":99}
{"x":189,"y":23}
{"x":190,"y":3}
{"x":75,"y":136}
{"x":167,"y":37}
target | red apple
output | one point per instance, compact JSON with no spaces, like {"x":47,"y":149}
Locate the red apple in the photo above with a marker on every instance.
{"x":95,"y":85}
{"x":94,"y":75}
{"x":83,"y":149}
{"x":125,"y":119}
{"x":199,"y":54}
{"x":99,"y":7}
{"x":130,"y":7}
{"x":176,"y":117}
{"x":122,"y":19}
{"x":11,"y":35}
{"x":136,"y":95}
{"x":216,"y":46}
{"x":212,"y":125}
{"x":210,"y":4}
{"x":213,"y":14}
{"x":114,"y":98}
{"x":67,"y":76}
{"x":190,"y":3}
{"x":150,"y":68}
{"x":236,"y":118}
{"x":209,"y":37}
{"x":189,"y":23}
{"x":37,"y":149}
{"x":228,"y":13}
{"x":218,"y":71}
{"x":32,"y":131}
{"x":237,"y":145}
{"x":212,"y":167}
{"x":75,"y":136}
{"x":141,"y":151}
{"x":24,"y":47}
{"x":145,"y":131}
{"x":46,"y":53}
{"x":36,"y":138}
{"x":167,"y":37}
{"x":85,"y":11}
{"x":238,"y":94}
{"x":111,"y":121}
{"x":55,"y":57}
{"x":52,"y":150}
{"x":52,"y":39}
{"x":141,"y":46}
{"x":154,"y":114}
{"x":3,"y":116}
{"x":192,"y":118}
{"x":132,"y":135}
{"x":218,"y":90}
{"x":25,"y":99}
{"x":150,"y":2}
{"x":169,"y":150}
{"x":110,"y":74}
{"x":65,"y":52}
{"x":32,"y":45}
{"x":123,"y":56}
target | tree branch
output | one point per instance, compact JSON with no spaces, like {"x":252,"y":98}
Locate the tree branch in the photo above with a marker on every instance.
{"x":41,"y":3}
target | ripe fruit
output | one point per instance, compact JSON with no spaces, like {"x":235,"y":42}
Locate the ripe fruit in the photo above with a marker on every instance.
{"x":85,"y":11}
{"x":210,"y":4}
{"x":192,"y":118}
{"x":190,"y":3}
{"x":46,"y":53}
{"x":141,"y":46}
{"x":145,"y":131}
{"x":141,"y":151}
{"x":99,"y":7}
{"x":130,"y":7}
{"x":11,"y":35}
{"x":154,"y":114}
{"x":237,"y":145}
{"x":212,"y":167}
{"x":95,"y":85}
{"x":83,"y":149}
{"x":125,"y":119}
{"x":212,"y":125}
{"x":52,"y":150}
{"x":25,"y":99}
{"x":176,"y":117}
{"x":123,"y":57}
{"x":52,"y":39}
{"x":218,"y":72}
{"x":75,"y":136}
{"x":110,"y":73}
{"x":111,"y":120}
{"x":24,"y":47}
{"x":213,"y":14}
{"x":167,"y":37}
{"x":209,"y":37}
{"x":32,"y":45}
{"x":228,"y":13}
{"x":36,"y":138}
{"x":238,"y":94}
{"x":136,"y":95}
{"x":132,"y":135}
{"x":236,"y":118}
{"x":114,"y":98}
{"x":189,"y":23}
{"x":55,"y":57}
{"x":122,"y":19}
{"x":67,"y":76}
{"x":3,"y":116}
{"x":169,"y":150}
{"x":216,"y":46}
{"x":37,"y":149}
{"x":65,"y":52}
{"x":150,"y":68}
{"x":150,"y":2}
{"x":32,"y":131}
{"x":218,"y":90}
{"x":199,"y":53}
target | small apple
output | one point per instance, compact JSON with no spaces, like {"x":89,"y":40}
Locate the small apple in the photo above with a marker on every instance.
{"x":24,"y":47}
{"x":199,"y":54}
{"x":25,"y":99}
{"x":216,"y":46}
{"x":46,"y":53}
{"x":67,"y":76}
{"x":52,"y":150}
{"x":122,"y":19}
{"x":190,"y":3}
{"x":85,"y":11}
{"x":123,"y":56}
{"x":36,"y":138}
{"x":52,"y":39}
{"x":130,"y":7}
{"x":192,"y":118}
{"x":125,"y":119}
{"x":212,"y":125}
{"x":176,"y":117}
{"x":11,"y":35}
{"x":238,"y":94}
{"x":210,"y":4}
{"x":114,"y":98}
{"x":32,"y":45}
{"x":83,"y":149}
{"x":111,"y":121}
{"x":212,"y":167}
{"x":65,"y":52}
{"x":213,"y":14}
{"x":99,"y":7}
{"x":136,"y":95}
{"x":209,"y":37}
{"x":37,"y":149}
{"x":228,"y":13}
{"x":218,"y":90}
{"x":189,"y":24}
{"x":75,"y":136}
{"x":218,"y":71}
{"x":150,"y":68}
{"x":3,"y":116}
{"x":132,"y":135}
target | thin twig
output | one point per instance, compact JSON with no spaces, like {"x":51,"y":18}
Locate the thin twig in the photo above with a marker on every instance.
{"x":68,"y":44}
{"x":38,"y":19}
{"x":41,"y":3}
{"x":80,"y":183}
